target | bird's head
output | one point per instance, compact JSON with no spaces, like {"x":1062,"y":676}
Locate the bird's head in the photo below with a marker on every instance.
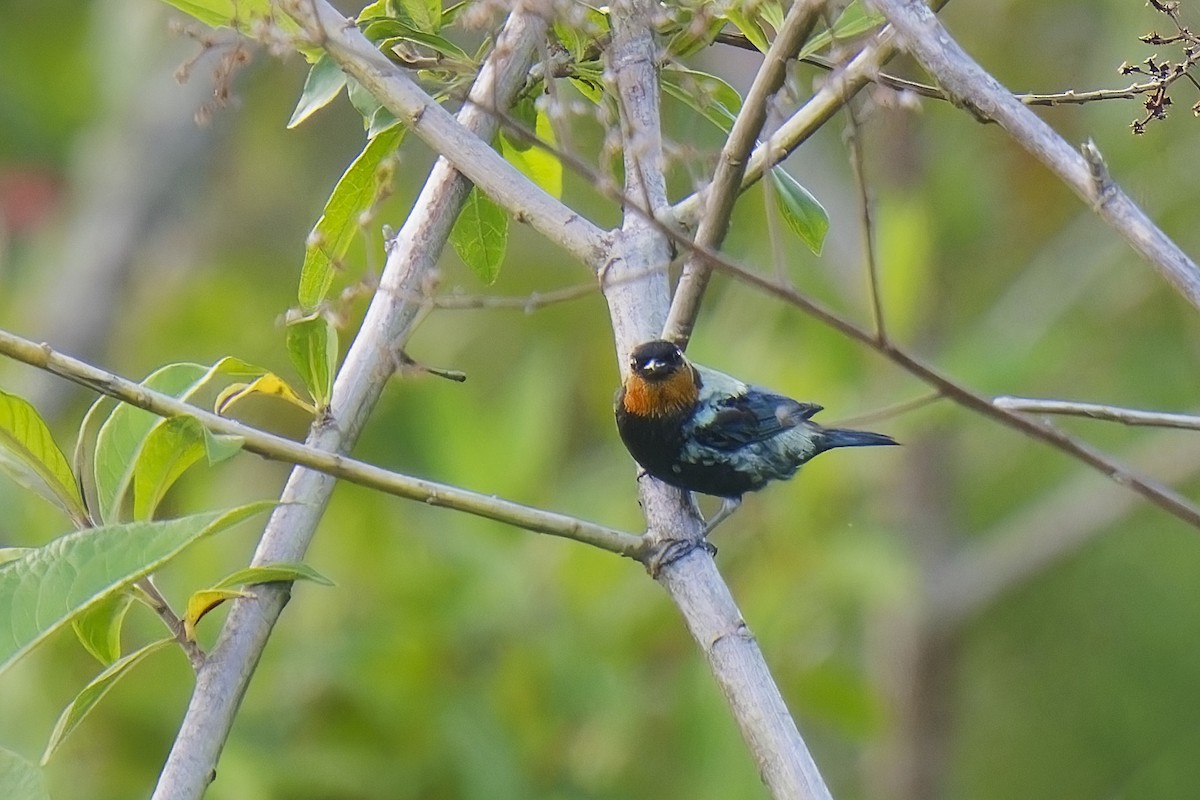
{"x":657,"y":361}
{"x":661,"y":381}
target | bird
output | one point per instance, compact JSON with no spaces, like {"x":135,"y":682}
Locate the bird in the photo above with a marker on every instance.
{"x":704,"y":431}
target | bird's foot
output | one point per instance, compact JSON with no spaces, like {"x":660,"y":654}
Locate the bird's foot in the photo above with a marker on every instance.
{"x":668,"y":551}
{"x":728,"y":506}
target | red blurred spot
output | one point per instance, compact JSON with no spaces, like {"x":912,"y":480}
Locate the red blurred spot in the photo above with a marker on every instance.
{"x":29,"y":196}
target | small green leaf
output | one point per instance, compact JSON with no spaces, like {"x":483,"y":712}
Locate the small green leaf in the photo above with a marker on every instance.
{"x":425,"y":14}
{"x":538,"y":164}
{"x":480,"y":235}
{"x":30,"y":457}
{"x":713,"y":98}
{"x":99,"y":627}
{"x":853,"y":21}
{"x":220,"y":13}
{"x":45,"y":589}
{"x":19,"y":779}
{"x":750,"y":27}
{"x":312,"y":344}
{"x":357,"y":190}
{"x":801,"y":211}
{"x":271,"y":573}
{"x":324,"y":82}
{"x":94,"y":692}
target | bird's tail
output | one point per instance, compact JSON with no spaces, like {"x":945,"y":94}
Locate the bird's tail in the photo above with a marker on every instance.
{"x":843,"y":437}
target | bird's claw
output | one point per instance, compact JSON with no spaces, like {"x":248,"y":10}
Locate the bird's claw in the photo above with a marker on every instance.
{"x":668,"y":551}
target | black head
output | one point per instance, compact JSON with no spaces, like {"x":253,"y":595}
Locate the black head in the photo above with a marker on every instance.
{"x":656,"y":361}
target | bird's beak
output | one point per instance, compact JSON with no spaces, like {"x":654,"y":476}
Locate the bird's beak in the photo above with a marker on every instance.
{"x":655,"y":366}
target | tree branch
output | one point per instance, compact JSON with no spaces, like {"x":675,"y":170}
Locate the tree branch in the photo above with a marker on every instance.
{"x":278,"y":448}
{"x":1126,"y":416}
{"x":931,"y":44}
{"x":470,"y":154}
{"x":723,"y":191}
{"x":389,"y":321}
{"x":680,"y":560}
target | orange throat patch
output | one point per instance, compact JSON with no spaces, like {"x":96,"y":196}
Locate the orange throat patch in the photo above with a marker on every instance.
{"x":674,"y":396}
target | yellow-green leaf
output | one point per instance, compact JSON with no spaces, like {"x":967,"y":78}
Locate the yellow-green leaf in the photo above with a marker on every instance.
{"x":204,"y":601}
{"x":538,"y":164}
{"x":169,"y":450}
{"x":29,"y":455}
{"x":270,"y":385}
{"x":99,"y":627}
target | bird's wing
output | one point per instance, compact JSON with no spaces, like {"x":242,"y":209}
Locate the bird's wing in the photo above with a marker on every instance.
{"x":752,"y":416}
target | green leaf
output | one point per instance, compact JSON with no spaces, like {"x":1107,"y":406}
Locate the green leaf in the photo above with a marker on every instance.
{"x":30,"y":457}
{"x":324,"y":82}
{"x":425,"y":14}
{"x":357,"y":190}
{"x":169,"y":450}
{"x":853,"y":21}
{"x":312,"y":344}
{"x":480,"y":235}
{"x":124,"y":433}
{"x":801,"y":211}
{"x":45,"y":589}
{"x":713,"y":98}
{"x":99,"y":627}
{"x":538,"y":164}
{"x":19,"y":779}
{"x":94,"y":692}
{"x":220,"y":13}
{"x":687,"y":41}
{"x":271,"y":573}
{"x":750,"y":26}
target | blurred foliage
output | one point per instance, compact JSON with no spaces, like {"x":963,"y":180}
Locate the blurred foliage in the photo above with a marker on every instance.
{"x":460,"y":658}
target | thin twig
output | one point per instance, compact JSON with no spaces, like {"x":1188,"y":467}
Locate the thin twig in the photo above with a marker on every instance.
{"x":889,"y":411}
{"x":866,"y":208}
{"x":1126,"y":416}
{"x":528,"y":304}
{"x":277,"y":448}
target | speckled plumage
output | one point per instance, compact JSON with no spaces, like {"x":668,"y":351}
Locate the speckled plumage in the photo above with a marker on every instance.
{"x":731,"y":439}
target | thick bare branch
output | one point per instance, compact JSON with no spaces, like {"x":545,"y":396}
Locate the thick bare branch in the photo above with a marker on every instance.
{"x":390,"y":319}
{"x":680,"y":561}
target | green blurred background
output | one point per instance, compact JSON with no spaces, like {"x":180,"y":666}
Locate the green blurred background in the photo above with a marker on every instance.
{"x":459,"y":658}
